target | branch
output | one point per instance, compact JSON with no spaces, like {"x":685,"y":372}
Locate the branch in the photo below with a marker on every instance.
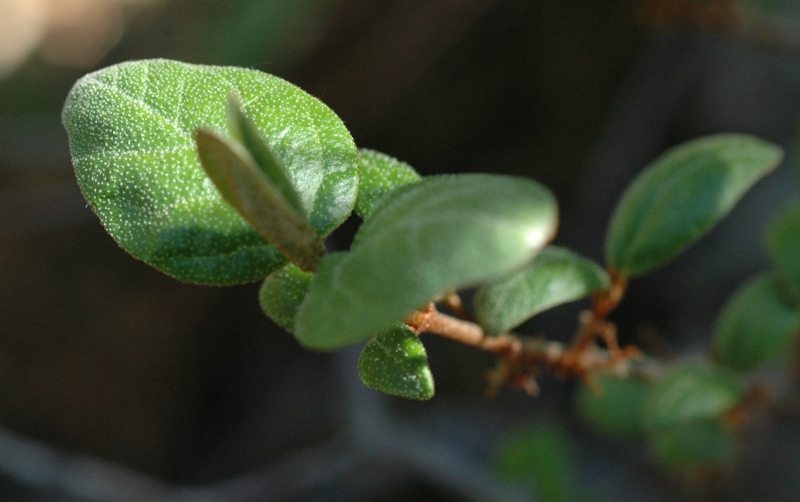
{"x":522,"y":356}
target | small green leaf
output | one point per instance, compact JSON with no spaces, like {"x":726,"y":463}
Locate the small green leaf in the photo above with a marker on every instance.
{"x":395,"y":362}
{"x":245,"y":187}
{"x":689,"y":393}
{"x":540,"y":456}
{"x":697,"y":445}
{"x":442,"y":233}
{"x":282,"y":293}
{"x":681,"y":195}
{"x":131,"y":129}
{"x":755,"y":325}
{"x":243,"y":130}
{"x":615,"y":410}
{"x":379,"y":175}
{"x":783,"y":244}
{"x":554,"y":277}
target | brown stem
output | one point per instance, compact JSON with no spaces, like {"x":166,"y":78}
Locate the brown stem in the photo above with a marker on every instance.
{"x":454,"y":303}
{"x":523,"y":354}
{"x":606,"y":301}
{"x":593,"y":325}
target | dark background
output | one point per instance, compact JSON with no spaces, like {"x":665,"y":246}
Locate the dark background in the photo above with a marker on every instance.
{"x":119,"y":383}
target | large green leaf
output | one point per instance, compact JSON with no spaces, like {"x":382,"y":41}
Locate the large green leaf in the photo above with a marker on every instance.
{"x":379,"y":175}
{"x":783,"y":244}
{"x":244,"y":186}
{"x":282,"y":293}
{"x":132,"y":128}
{"x":691,"y":392}
{"x":554,"y":277}
{"x":755,"y":325}
{"x":436,"y":235}
{"x":395,"y":362}
{"x":681,"y":195}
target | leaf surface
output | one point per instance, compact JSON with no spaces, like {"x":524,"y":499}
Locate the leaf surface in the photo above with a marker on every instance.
{"x":379,"y":175}
{"x":615,"y":409}
{"x":556,"y":276}
{"x":691,"y":392}
{"x":131,"y":129}
{"x":440,"y":234}
{"x":243,"y":130}
{"x":244,"y":186}
{"x":755,"y":325}
{"x":282,"y":292}
{"x":681,"y":195}
{"x":541,"y":456}
{"x":703,"y":444}
{"x":783,"y":244}
{"x":395,"y":362}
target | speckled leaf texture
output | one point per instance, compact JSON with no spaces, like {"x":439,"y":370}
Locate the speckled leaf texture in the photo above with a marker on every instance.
{"x":395,"y":362}
{"x":282,"y":293}
{"x":245,"y":187}
{"x":556,"y":276}
{"x":442,"y":233}
{"x":245,"y":132}
{"x":379,"y":175}
{"x":131,"y":129}
{"x":681,"y":195}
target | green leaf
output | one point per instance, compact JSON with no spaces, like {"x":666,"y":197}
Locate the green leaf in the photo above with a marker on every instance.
{"x":616,"y":410}
{"x":442,"y":233}
{"x":554,"y":277}
{"x":246,"y":133}
{"x":755,"y":325}
{"x":689,"y":393}
{"x":541,"y":456}
{"x":244,"y":186}
{"x":681,"y":195}
{"x":132,"y":128}
{"x":697,"y":445}
{"x":379,"y":175}
{"x":395,"y":362}
{"x":783,"y":244}
{"x":282,"y":292}
{"x":685,"y":416}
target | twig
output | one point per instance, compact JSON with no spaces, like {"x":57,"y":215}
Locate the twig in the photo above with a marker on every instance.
{"x":523,"y":356}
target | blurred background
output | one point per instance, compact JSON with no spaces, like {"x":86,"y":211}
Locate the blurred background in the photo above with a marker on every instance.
{"x":119,"y":383}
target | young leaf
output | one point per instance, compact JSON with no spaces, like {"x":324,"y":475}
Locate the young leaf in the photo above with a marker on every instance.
{"x":131,"y":129}
{"x":442,"y":233}
{"x":554,"y":277}
{"x":755,"y":325}
{"x":681,"y":195}
{"x":542,"y":457}
{"x":703,"y":444}
{"x":395,"y":362}
{"x":246,"y":188}
{"x":783,"y":244}
{"x":689,"y":393}
{"x":282,"y":292}
{"x":379,"y":175}
{"x":243,"y":130}
{"x":616,"y":409}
